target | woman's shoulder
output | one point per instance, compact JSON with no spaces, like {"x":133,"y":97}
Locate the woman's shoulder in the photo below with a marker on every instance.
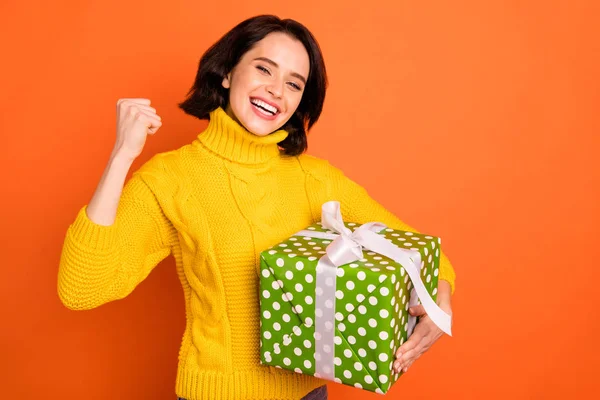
{"x":314,"y":165}
{"x":318,"y":167}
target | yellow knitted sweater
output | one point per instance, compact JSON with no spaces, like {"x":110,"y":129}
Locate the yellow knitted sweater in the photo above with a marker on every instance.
{"x":214,"y":204}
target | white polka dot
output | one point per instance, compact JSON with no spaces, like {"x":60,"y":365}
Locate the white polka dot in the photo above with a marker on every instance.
{"x":372,"y":344}
{"x":307,"y":364}
{"x":339,"y":272}
{"x":383,"y":378}
{"x":347,"y":374}
{"x":328,"y":303}
{"x":362,"y":331}
{"x":377,"y":390}
{"x":308,"y":322}
{"x":383,"y":335}
{"x":267,"y":314}
{"x":297,"y":331}
{"x":353,"y":265}
{"x":275,"y":285}
{"x":382,"y":278}
{"x":370,"y":288}
{"x":339,"y":294}
{"x":337,"y":340}
{"x":372,"y":322}
{"x":307,"y":344}
{"x":348,"y":353}
{"x":266,"y":273}
{"x":358,"y":385}
{"x":339,"y":316}
{"x":287,"y":361}
{"x":349,"y":307}
{"x":362,"y":352}
{"x":286,"y":317}
{"x":268,"y":356}
{"x":361,"y":275}
{"x":298,"y":287}
{"x":352,"y":318}
{"x":266,"y":294}
{"x":434,"y":291}
{"x":351,"y":339}
{"x":327,"y":348}
{"x":267,"y":335}
{"x":383,"y":357}
{"x":373,"y":300}
{"x":277,"y":326}
{"x":276,"y":305}
{"x":271,"y":252}
{"x":436,"y":272}
{"x":319,"y":291}
{"x":358,"y":366}
{"x":360,"y":297}
{"x":368,"y":379}
{"x":308,"y":300}
{"x":362,"y":309}
{"x":337,"y":361}
{"x":349,"y":285}
{"x":341,"y":327}
{"x":329,"y":281}
{"x":280,"y":262}
{"x":297,"y":351}
{"x":383,"y":313}
{"x":289,"y":274}
{"x":309,"y":278}
{"x":384,"y":291}
{"x":319,"y":313}
{"x":298,"y":370}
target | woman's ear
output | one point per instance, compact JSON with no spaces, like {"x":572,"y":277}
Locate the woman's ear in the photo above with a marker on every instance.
{"x":227,"y":81}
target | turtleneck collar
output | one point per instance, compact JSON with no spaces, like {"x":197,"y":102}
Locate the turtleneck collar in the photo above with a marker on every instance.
{"x":230,"y":140}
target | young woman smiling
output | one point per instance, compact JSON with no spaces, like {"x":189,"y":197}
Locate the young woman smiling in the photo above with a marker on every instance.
{"x":243,"y":185}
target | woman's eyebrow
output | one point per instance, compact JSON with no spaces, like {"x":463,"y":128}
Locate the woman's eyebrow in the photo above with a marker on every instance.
{"x":273,"y":63}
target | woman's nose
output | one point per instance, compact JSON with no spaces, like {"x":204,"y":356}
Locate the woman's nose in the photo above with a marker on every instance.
{"x":276,"y":88}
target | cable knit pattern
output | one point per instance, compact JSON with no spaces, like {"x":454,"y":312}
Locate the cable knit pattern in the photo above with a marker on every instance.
{"x":213,"y":204}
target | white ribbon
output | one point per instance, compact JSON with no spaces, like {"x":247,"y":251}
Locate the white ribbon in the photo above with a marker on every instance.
{"x":345,"y":248}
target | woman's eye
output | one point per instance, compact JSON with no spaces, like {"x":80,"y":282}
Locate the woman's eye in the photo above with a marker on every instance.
{"x":263,"y":69}
{"x":292,"y":84}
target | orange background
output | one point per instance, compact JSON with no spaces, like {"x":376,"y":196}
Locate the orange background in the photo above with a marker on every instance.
{"x":475,"y":121}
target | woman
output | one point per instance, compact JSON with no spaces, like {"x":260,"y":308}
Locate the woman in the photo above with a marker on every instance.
{"x":241,"y":186}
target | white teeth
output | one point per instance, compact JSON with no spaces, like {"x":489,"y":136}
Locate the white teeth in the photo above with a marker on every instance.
{"x":264,"y":105}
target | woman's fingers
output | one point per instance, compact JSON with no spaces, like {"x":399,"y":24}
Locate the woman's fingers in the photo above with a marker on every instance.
{"x":417,"y":310}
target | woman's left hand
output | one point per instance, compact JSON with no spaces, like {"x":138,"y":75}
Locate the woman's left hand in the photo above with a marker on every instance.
{"x":425,"y":333}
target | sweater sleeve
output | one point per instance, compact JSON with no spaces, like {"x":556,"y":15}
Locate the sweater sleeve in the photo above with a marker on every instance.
{"x":101,"y":263}
{"x":358,"y":206}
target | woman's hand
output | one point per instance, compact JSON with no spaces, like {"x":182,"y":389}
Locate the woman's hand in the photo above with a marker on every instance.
{"x":426,"y":332}
{"x":135,"y":120}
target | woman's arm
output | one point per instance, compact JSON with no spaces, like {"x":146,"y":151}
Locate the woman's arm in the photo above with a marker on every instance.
{"x":115,"y":240}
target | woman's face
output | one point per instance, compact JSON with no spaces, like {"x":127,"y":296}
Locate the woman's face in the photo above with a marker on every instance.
{"x":266,"y":86}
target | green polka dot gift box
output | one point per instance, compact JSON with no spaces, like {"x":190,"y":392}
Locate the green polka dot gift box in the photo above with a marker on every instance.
{"x":334,"y":299}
